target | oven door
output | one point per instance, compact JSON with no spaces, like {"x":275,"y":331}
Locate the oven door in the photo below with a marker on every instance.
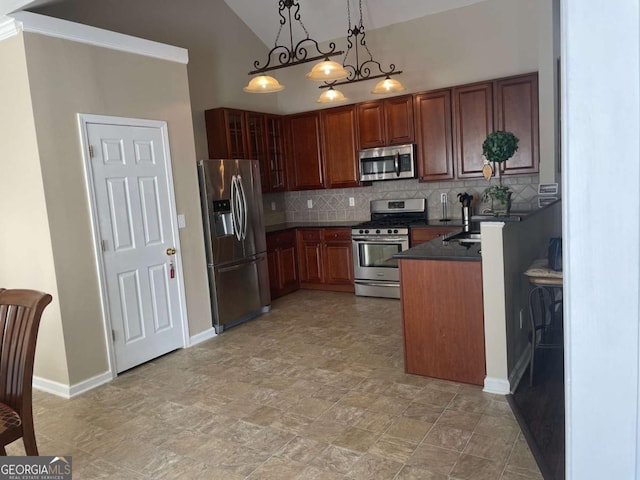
{"x":373,"y":257}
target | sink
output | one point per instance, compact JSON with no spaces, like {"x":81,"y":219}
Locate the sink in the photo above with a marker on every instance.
{"x":463,"y":237}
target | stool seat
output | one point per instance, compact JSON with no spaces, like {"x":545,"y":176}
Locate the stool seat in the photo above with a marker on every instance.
{"x":545,"y":308}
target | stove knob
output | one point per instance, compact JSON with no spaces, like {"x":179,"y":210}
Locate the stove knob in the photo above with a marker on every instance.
{"x":366,"y":231}
{"x":391,"y":231}
{"x":377,"y":231}
{"x":395,"y":231}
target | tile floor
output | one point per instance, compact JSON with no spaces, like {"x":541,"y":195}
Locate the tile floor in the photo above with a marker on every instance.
{"x":313,"y":390}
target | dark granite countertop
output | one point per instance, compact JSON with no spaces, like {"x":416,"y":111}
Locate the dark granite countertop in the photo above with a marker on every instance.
{"x":332,"y":224}
{"x":436,"y":249}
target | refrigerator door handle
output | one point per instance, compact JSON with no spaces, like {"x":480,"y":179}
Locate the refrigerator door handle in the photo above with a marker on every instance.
{"x":235,"y":208}
{"x":244,"y":208}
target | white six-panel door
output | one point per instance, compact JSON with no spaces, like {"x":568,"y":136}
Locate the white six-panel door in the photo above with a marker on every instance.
{"x":132,"y":202}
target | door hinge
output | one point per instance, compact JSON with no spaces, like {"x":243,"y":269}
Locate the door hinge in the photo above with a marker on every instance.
{"x":113,"y":334}
{"x":90,"y":151}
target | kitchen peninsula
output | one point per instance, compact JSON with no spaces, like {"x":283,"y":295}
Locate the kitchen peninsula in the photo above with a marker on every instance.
{"x":442,"y":311}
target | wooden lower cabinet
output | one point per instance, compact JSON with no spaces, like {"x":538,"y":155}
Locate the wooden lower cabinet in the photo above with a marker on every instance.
{"x":419,"y":235}
{"x":325,"y":259}
{"x":443,"y":320}
{"x":283,"y":263}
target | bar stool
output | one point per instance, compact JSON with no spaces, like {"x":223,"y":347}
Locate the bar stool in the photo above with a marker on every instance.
{"x":545,"y":309}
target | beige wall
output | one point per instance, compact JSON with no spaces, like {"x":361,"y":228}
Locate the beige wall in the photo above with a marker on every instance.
{"x":25,"y":246}
{"x":68,"y":78}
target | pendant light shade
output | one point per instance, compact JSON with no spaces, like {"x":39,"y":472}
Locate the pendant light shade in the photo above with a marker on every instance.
{"x":331,"y":95}
{"x":388,"y":85}
{"x":327,"y":70}
{"x":263,"y":84}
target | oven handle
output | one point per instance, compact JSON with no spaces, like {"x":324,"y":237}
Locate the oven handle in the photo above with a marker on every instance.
{"x":380,"y":239}
{"x":378,"y":284}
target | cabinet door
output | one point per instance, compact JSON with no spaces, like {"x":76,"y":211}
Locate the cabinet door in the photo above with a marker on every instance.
{"x":275,"y":282}
{"x":473,"y":120}
{"x":257,"y":145}
{"x":338,"y":260}
{"x":433,"y":135}
{"x":398,"y":112}
{"x":516,"y":111}
{"x":288,"y":268}
{"x":338,"y":256}
{"x":310,"y":255}
{"x":339,"y":147}
{"x":226,"y":133}
{"x":275,"y":138}
{"x":305,"y":165}
{"x":371,"y":124}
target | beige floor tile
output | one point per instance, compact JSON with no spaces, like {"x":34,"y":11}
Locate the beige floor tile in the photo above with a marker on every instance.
{"x":491,"y":448}
{"x":418,"y":472}
{"x":396,"y":449}
{"x":435,"y":459}
{"x":336,"y":459}
{"x":372,"y":466}
{"x":448,"y":437}
{"x":475,"y":468}
{"x":408,"y":429}
{"x":356,"y":439}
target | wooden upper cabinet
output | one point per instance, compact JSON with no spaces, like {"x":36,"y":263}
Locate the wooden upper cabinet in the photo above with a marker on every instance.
{"x":385,"y":122}
{"x":473,"y":121}
{"x":339,"y":147}
{"x":399,"y":120}
{"x":275,"y":128}
{"x":257,"y":145}
{"x":371,"y":124}
{"x":516,"y":111}
{"x":226,"y":133}
{"x":433,"y":135}
{"x":304,"y":168}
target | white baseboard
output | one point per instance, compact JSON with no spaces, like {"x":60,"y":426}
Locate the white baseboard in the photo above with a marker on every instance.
{"x":496,"y":385}
{"x":519,"y":369}
{"x":202,"y":336}
{"x":66,"y":391}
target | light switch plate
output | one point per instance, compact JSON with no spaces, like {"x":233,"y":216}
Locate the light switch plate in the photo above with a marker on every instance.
{"x":182,"y":222}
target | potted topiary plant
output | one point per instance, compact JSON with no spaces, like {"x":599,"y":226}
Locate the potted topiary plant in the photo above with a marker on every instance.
{"x":498,"y":147}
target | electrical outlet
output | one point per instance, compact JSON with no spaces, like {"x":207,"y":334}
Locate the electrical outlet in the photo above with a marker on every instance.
{"x":309,"y":203}
{"x":443,"y":197}
{"x":273,"y":205}
{"x":352,"y":202}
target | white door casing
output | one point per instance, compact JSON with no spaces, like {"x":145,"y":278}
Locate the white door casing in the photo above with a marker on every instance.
{"x":128,"y":171}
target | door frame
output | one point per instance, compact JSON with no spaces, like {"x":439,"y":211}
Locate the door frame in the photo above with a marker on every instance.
{"x":83,"y":121}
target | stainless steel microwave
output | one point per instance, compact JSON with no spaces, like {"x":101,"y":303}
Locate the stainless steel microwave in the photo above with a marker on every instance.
{"x":387,"y":163}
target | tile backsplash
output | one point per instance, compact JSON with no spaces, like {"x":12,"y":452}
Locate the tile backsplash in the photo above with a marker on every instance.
{"x":332,"y":205}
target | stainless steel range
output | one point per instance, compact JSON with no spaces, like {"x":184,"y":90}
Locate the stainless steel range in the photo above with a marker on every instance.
{"x":377,"y":241}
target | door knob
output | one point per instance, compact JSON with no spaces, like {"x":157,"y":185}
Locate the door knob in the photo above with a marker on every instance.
{"x":171,"y":251}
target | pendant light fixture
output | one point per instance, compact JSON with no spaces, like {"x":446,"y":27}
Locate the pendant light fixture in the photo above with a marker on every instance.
{"x":282,"y":55}
{"x":327,"y":71}
{"x":369,"y":69}
{"x":263,"y":84}
{"x":331,"y":96}
{"x":388,"y":85}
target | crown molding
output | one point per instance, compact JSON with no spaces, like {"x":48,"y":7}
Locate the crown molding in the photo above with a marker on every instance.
{"x":8,"y":28}
{"x":76,"y":32}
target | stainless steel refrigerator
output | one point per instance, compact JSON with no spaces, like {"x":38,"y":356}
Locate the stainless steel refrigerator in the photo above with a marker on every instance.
{"x":231,"y":198}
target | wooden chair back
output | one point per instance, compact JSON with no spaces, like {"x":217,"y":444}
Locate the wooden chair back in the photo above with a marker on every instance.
{"x":20,"y":313}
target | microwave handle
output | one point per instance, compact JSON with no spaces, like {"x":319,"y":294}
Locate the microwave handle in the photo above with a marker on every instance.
{"x":396,"y":163}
